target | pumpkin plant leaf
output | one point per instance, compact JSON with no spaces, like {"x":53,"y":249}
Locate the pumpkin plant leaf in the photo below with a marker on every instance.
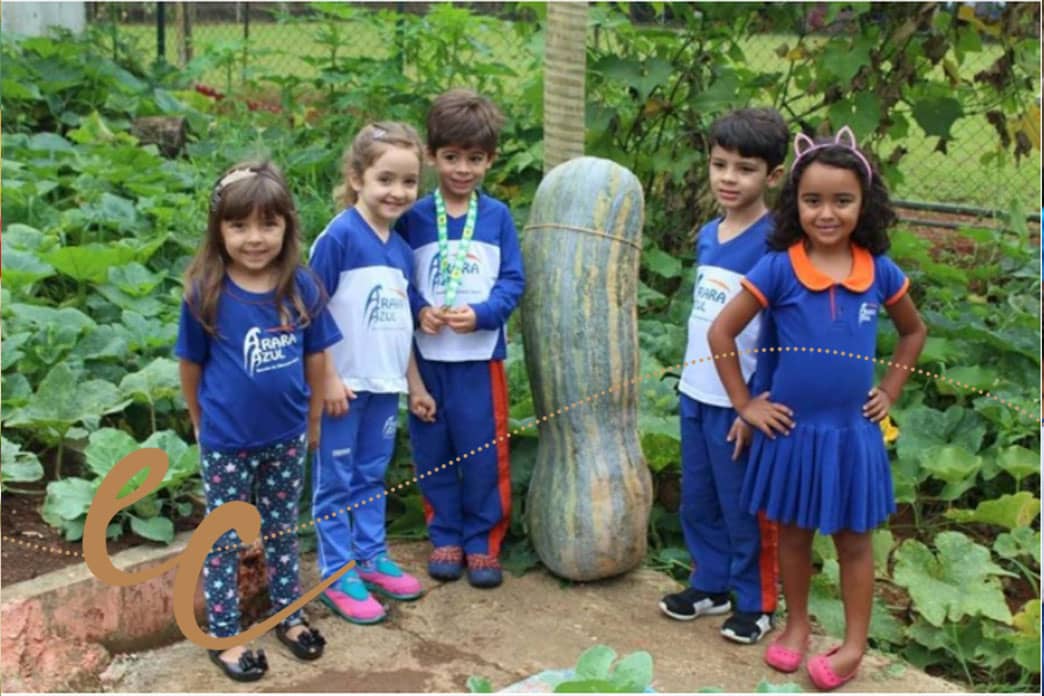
{"x":1011,"y":511}
{"x":17,"y":466}
{"x":594,"y":663}
{"x":959,"y":581}
{"x":633,"y":673}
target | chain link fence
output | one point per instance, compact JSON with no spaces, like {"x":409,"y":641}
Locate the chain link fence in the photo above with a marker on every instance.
{"x":244,"y":44}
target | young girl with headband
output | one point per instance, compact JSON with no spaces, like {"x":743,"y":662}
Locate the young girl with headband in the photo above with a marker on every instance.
{"x":818,"y":460}
{"x":250,"y":341}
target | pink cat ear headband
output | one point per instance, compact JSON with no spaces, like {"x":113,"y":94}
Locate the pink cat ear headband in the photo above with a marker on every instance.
{"x":844,"y":138}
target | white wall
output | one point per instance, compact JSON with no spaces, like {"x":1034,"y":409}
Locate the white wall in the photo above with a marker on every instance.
{"x":33,"y":18}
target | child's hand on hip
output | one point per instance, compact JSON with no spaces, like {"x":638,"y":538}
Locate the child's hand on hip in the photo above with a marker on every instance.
{"x":462,"y":319}
{"x":877,"y":405}
{"x":336,"y":396}
{"x":767,"y":416}
{"x":431,"y":320}
{"x":422,"y":405}
{"x":741,"y":434}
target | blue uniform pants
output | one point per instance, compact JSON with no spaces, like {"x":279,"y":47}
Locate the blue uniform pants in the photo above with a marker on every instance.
{"x":731,"y":549}
{"x":354,"y":451}
{"x":468,"y":503}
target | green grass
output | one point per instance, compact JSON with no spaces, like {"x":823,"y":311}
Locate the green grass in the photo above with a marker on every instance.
{"x":956,"y":177}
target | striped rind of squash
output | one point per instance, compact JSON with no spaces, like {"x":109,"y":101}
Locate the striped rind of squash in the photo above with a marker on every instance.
{"x":590,"y":494}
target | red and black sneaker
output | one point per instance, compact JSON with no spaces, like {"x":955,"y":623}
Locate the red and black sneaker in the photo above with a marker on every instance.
{"x":484,"y":570}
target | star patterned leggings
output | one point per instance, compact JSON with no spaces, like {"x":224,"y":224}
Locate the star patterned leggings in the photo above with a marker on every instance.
{"x":271,"y":478}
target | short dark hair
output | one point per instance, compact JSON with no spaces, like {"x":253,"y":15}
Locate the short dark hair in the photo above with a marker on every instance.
{"x":464,"y":118}
{"x":753,"y":132}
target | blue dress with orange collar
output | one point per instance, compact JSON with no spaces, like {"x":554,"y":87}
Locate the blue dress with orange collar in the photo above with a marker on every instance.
{"x":832,"y":472}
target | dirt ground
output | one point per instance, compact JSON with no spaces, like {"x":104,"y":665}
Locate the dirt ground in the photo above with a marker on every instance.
{"x":529,"y":624}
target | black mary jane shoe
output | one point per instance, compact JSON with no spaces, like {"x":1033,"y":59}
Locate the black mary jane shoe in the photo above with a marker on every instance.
{"x":307,"y":646}
{"x":250,"y":667}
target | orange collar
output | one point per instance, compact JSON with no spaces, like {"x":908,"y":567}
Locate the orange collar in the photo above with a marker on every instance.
{"x":859,"y":280}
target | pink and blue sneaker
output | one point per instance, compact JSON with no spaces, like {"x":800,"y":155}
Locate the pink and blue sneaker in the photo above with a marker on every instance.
{"x":382,"y":575}
{"x":349,"y":599}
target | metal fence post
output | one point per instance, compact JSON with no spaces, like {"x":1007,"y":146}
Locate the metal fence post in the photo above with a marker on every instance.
{"x":161,"y":34}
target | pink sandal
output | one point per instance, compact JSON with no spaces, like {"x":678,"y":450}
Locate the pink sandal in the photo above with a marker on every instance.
{"x":784,"y":659}
{"x":823,"y":675}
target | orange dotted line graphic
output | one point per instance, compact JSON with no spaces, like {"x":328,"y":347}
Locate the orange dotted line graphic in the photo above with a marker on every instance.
{"x":656,"y":374}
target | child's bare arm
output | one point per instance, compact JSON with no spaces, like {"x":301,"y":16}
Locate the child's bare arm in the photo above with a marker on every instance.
{"x":421,"y":403}
{"x":335,"y":394}
{"x":191,"y":373}
{"x":315,"y":374}
{"x":912,"y":334}
{"x":758,"y":411}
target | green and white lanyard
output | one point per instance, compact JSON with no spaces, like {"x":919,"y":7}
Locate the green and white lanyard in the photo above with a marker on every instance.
{"x":453,"y":273}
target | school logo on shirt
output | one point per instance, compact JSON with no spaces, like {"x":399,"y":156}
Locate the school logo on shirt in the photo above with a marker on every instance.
{"x":262,"y":353}
{"x":383,"y":307}
{"x":437,"y":282}
{"x":867,"y":312}
{"x":710,"y":295}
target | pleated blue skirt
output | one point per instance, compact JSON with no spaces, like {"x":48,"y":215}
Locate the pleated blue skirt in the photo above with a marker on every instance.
{"x":821,"y":477}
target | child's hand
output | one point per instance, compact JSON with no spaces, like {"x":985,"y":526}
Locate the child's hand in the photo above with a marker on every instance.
{"x":876,"y":407}
{"x":431,"y":320}
{"x":461,"y":320}
{"x":336,"y":396}
{"x":741,"y":434}
{"x":767,"y":416}
{"x":422,"y":405}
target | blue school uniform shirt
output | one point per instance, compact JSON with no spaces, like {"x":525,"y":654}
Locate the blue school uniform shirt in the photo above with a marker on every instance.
{"x":253,"y":392}
{"x":812,"y":311}
{"x":719,"y":272}
{"x":367,"y":280}
{"x":492,"y":282}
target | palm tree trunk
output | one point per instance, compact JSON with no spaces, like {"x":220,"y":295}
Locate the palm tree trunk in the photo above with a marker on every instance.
{"x":565,"y":61}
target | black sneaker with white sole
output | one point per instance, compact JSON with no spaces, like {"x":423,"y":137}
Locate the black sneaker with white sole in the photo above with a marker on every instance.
{"x":691,"y":603}
{"x":747,"y":628}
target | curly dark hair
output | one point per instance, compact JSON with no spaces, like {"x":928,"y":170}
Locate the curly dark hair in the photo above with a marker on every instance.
{"x":875,"y":214}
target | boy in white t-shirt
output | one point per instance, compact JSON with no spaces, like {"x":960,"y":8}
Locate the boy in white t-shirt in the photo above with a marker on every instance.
{"x":732,"y":551}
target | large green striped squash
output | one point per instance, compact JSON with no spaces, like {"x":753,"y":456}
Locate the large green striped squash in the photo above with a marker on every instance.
{"x":590,"y":494}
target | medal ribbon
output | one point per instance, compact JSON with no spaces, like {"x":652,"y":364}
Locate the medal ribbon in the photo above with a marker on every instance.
{"x":452,"y":273}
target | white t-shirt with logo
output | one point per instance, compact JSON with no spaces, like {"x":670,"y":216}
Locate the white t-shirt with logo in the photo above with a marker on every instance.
{"x":720,"y":269}
{"x":368,"y":284}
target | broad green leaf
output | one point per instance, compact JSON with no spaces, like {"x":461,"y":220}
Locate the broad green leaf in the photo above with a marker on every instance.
{"x":1011,"y":511}
{"x":134,"y":279}
{"x":61,"y":401}
{"x":594,"y":663}
{"x":49,"y":142}
{"x":106,"y":447}
{"x":843,"y":60}
{"x":22,"y":268}
{"x":67,"y":499}
{"x":41,"y":316}
{"x":936,"y":115}
{"x":974,"y":640}
{"x":766,"y":687}
{"x":634,"y":672}
{"x":154,"y":528}
{"x":954,"y":465}
{"x":159,"y":379}
{"x":17,"y":466}
{"x":661,"y":263}
{"x":90,"y":262}
{"x":975,"y":376}
{"x":479,"y":685}
{"x":1023,"y":541}
{"x":956,"y":582}
{"x":1019,"y":461}
{"x":585,"y":686}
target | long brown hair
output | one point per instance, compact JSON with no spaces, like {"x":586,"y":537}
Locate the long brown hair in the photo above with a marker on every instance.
{"x":367,"y":147}
{"x":246,"y":188}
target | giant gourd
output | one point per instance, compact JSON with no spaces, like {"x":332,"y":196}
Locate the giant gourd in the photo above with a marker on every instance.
{"x":590,"y":494}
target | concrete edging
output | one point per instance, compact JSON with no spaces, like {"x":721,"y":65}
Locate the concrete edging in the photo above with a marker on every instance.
{"x":62,"y":629}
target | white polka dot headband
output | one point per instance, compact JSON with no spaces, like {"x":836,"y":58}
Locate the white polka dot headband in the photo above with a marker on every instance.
{"x":844,"y":138}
